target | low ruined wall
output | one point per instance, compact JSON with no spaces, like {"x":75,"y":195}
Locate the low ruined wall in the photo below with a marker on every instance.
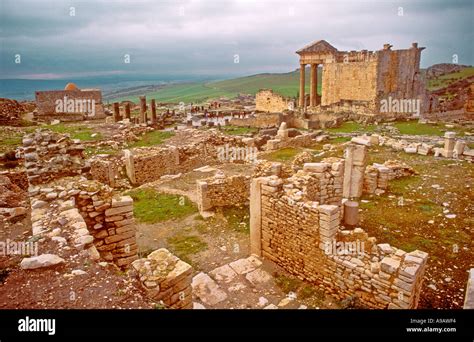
{"x":303,"y":140}
{"x":377,"y":176}
{"x":107,"y":220}
{"x":267,"y":101}
{"x":145,"y":165}
{"x":303,"y":236}
{"x":50,"y":156}
{"x":165,"y":278}
{"x":222,"y":191}
{"x":259,"y":120}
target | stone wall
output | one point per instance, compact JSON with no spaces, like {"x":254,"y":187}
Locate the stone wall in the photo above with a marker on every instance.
{"x":283,"y":140}
{"x":259,"y":120}
{"x":107,"y":221}
{"x":267,"y":101}
{"x":349,"y":81}
{"x":50,"y":156}
{"x":165,"y":278}
{"x":359,"y":84}
{"x":222,"y":191}
{"x":303,"y":236}
{"x":377,"y":176}
{"x":46,"y":104}
{"x":145,"y":165}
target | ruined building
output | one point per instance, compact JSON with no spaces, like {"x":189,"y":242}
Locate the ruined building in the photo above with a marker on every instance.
{"x":362,"y":80}
{"x":70,"y":104}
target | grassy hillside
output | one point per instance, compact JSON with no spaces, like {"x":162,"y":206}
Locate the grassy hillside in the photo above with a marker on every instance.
{"x":285,"y":84}
{"x":445,"y":80}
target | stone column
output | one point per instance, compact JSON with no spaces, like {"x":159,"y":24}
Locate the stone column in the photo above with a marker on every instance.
{"x":256,"y":217}
{"x":314,"y":85}
{"x":351,"y":213}
{"x":153,"y":112}
{"x":302,"y":83}
{"x":143,"y":109}
{"x":449,"y":141}
{"x":130,"y":166}
{"x":116,"y":112}
{"x":354,"y":169}
{"x":127,"y":110}
{"x":459,"y":148}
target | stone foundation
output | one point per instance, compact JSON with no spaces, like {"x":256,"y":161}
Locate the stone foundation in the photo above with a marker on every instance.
{"x":165,"y":278}
{"x":303,"y":236}
{"x":222,"y":191}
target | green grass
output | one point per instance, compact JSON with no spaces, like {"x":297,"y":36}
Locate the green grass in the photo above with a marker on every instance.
{"x":445,"y":80}
{"x":337,"y":140}
{"x":151,"y":206}
{"x":186,"y":245}
{"x":416,"y":128}
{"x":152,"y":138}
{"x":286,"y":84}
{"x":238,"y":218}
{"x":10,"y":143}
{"x":236,"y":130}
{"x":284,"y":154}
{"x":350,"y":127}
{"x":285,"y":283}
{"x":83,"y":133}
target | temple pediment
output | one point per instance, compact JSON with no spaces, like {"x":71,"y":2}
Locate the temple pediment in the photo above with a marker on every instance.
{"x":320,"y":46}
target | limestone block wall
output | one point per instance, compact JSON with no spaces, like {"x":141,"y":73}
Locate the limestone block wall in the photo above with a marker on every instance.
{"x":222,"y":191}
{"x":110,"y":221}
{"x":105,"y":169}
{"x":267,"y":101}
{"x":303,"y":140}
{"x":107,"y":221}
{"x":145,"y":165}
{"x":398,"y":74}
{"x":50,"y":156}
{"x":165,"y":278}
{"x":377,"y":176}
{"x":304,"y":238}
{"x":349,"y":81}
{"x":46,"y":103}
{"x":259,"y":120}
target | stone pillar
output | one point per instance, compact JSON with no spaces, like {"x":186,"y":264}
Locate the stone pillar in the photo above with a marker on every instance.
{"x":449,"y":141}
{"x":127,"y":110}
{"x":354,"y":169}
{"x":129,"y":166}
{"x":329,"y":219}
{"x":116,"y":112}
{"x":314,"y":85}
{"x":256,"y":216}
{"x":302,"y":83}
{"x":459,"y":148}
{"x":153,"y":112}
{"x":283,"y":131}
{"x":143,"y":118}
{"x":351,"y":213}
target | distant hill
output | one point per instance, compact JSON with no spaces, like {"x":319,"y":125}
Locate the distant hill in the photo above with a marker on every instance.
{"x":437,"y":70}
{"x":286,"y":84}
{"x":442,"y":77}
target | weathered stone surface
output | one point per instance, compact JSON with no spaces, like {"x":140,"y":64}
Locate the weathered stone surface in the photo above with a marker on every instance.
{"x":207,"y":290}
{"x":43,"y":260}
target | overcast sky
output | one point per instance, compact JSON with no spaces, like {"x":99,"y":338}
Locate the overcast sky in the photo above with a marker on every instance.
{"x":207,"y":37}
